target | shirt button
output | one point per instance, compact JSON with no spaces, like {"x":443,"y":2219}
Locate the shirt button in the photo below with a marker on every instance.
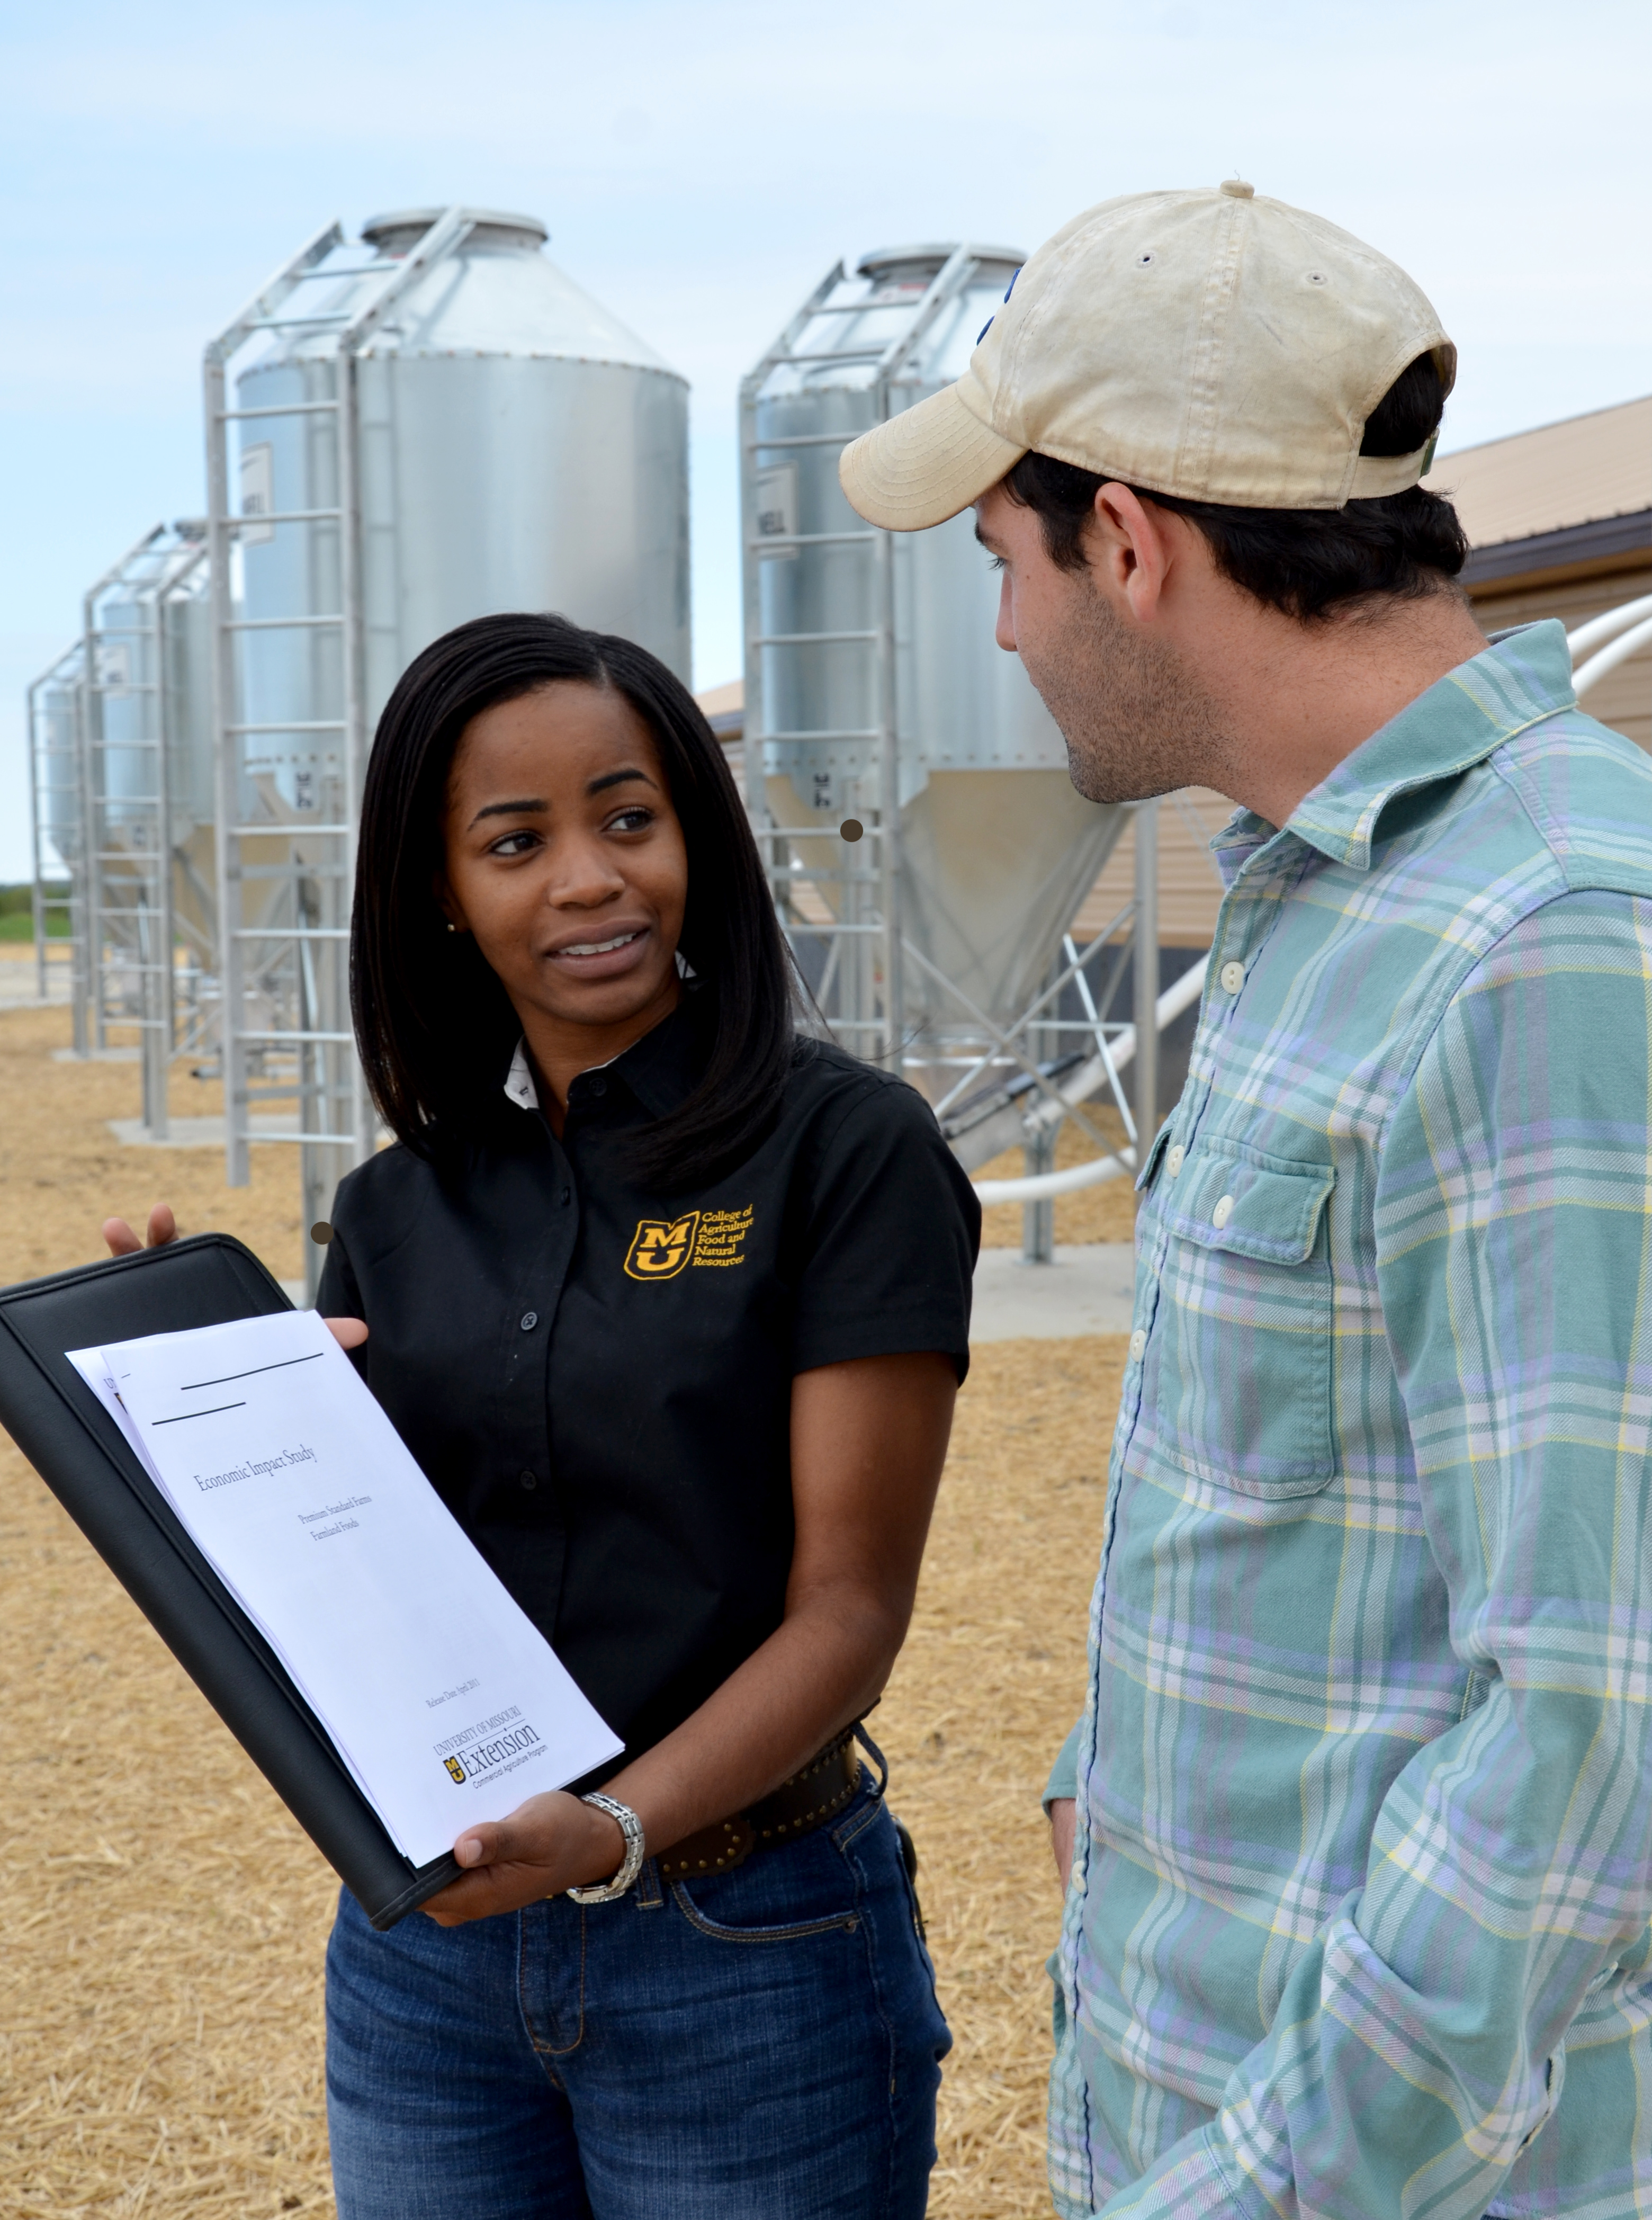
{"x":1173,"y":1161}
{"x":599,"y":1086}
{"x":1232,"y":975}
{"x":1223,"y":1212}
{"x":530,"y":1319}
{"x":1137,"y":1343}
{"x":567,"y":1196}
{"x":529,"y":1479}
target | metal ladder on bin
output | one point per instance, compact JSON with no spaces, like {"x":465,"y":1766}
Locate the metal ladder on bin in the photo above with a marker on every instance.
{"x":55,"y":712}
{"x":128,"y":969}
{"x":308,"y":1026}
{"x":867,"y":906}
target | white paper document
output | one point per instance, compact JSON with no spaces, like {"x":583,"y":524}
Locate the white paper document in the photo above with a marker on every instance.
{"x":440,"y":1694}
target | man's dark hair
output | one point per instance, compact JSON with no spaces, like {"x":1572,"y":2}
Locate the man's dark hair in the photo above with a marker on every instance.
{"x":434,"y":1025}
{"x":1306,"y":562}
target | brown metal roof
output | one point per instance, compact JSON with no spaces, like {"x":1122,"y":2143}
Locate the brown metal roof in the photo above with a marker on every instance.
{"x":1552,"y":479}
{"x":718,"y":701}
{"x":725,"y":709}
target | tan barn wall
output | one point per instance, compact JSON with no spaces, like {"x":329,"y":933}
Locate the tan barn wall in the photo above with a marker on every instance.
{"x":1622,"y":699}
{"x":1190,"y":886}
{"x":1190,"y":889}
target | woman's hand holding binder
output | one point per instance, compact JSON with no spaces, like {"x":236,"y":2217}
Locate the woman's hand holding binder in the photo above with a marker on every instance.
{"x":121,"y":1241}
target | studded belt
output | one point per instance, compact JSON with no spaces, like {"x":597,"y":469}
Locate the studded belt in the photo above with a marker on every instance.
{"x":824,"y":1786}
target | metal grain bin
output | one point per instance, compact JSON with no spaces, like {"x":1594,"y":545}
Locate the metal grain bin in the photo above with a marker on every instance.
{"x":517,"y":448}
{"x":876,"y":695}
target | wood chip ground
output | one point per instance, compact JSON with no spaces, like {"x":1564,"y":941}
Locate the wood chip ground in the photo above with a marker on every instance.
{"x":161,"y":2019}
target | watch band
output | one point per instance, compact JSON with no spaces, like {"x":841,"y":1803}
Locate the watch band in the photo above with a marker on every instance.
{"x":630,"y":1866}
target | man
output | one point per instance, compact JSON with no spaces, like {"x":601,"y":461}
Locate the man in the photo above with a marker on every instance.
{"x":1357,"y":1916}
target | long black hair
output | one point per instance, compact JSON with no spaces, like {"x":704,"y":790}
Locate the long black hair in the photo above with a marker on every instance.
{"x":434,"y":1025}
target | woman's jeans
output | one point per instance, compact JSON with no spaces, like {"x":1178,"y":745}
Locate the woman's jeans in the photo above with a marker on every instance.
{"x":761,"y":2045}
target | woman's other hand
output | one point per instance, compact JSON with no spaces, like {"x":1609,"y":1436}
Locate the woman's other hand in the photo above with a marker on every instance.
{"x":1064,"y":1825}
{"x":551,"y":1842}
{"x":348,"y":1332}
{"x":123,"y":1241}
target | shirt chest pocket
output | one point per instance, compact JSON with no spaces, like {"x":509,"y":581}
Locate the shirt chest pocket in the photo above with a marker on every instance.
{"x":1237,"y":1385}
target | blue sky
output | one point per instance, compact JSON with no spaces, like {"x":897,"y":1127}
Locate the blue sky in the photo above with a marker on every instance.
{"x":700,"y":167}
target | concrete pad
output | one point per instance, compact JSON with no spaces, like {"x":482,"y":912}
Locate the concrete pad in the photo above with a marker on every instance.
{"x":194,"y":1132}
{"x":14,"y":996}
{"x":1088,"y":1289}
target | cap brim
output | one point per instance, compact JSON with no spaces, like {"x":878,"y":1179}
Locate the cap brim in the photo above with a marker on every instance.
{"x":924,"y":465}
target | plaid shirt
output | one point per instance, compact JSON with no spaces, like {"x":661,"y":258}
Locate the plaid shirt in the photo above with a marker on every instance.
{"x":1359,"y":1917}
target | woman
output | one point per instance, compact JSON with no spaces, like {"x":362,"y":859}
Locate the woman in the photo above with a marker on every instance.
{"x":671,"y":1307}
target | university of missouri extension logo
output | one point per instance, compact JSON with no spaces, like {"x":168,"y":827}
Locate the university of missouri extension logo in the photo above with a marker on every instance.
{"x":515,"y":1746}
{"x":661,"y":1247}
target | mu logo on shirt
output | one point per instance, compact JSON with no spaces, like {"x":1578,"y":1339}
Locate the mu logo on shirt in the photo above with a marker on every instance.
{"x":660,"y":1247}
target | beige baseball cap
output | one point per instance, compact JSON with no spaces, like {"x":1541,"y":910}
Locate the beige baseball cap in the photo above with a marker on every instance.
{"x":1215,"y":345}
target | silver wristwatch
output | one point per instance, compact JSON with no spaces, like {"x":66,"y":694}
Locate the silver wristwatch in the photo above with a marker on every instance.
{"x":631,"y":1865}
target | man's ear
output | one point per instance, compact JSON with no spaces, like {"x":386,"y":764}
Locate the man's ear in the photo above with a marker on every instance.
{"x":1131,"y":551}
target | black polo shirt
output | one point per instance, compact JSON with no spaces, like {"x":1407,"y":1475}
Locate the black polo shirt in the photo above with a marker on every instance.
{"x":597,"y":1378}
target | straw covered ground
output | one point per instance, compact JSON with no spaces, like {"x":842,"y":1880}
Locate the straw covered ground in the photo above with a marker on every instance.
{"x":160,"y":2036}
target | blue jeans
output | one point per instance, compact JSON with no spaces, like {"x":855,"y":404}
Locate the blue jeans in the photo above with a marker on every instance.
{"x":764,"y":2045}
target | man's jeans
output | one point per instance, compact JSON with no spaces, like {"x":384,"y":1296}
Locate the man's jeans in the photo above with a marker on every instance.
{"x":764,"y":2045}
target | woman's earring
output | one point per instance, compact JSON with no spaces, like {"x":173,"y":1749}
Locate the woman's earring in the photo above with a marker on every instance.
{"x":451,"y":927}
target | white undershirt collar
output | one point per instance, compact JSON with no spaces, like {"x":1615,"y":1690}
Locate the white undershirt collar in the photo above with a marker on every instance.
{"x":519,"y":1080}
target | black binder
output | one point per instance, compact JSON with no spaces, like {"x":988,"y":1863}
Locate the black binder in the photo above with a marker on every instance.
{"x":79,"y":1452}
